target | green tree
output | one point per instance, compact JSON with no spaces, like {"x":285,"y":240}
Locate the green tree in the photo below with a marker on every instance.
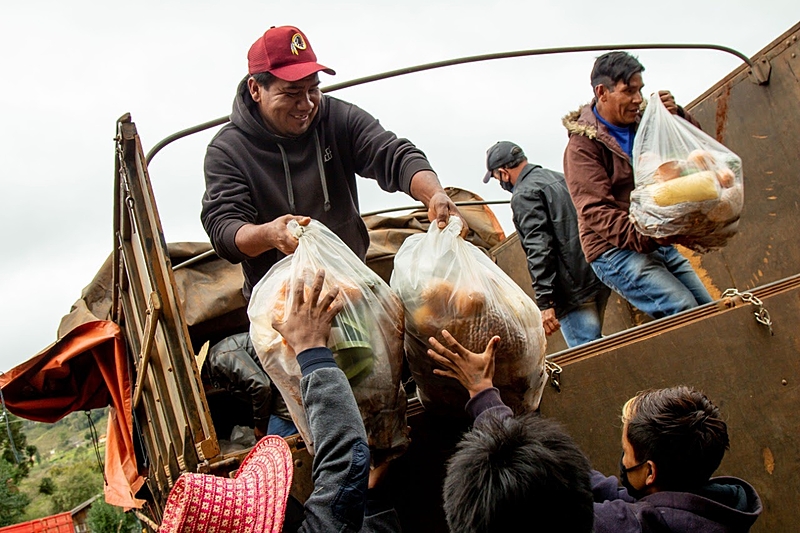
{"x":75,"y":484}
{"x":12,"y":501}
{"x":105,"y":518}
{"x":15,"y":451}
{"x":46,"y":486}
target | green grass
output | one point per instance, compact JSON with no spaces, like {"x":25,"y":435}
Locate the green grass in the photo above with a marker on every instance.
{"x":59,"y":445}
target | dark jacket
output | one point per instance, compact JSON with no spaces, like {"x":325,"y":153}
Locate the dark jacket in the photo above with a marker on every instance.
{"x":253,"y":176}
{"x":232,"y":364}
{"x":600,"y":180}
{"x":547,"y":224}
{"x":724,"y":505}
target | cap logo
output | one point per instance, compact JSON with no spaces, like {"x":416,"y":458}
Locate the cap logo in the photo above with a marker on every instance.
{"x":298,"y":43}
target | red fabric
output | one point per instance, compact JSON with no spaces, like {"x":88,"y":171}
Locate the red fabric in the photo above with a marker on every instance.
{"x":285,"y":53}
{"x":85,"y":369}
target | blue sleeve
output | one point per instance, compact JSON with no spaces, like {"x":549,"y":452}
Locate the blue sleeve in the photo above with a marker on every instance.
{"x":487,"y":403}
{"x":315,"y":358}
{"x":614,"y":508}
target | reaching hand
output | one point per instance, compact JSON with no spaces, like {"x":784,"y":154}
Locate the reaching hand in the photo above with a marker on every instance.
{"x":549,"y":321}
{"x":308,"y":323}
{"x":474,"y":371}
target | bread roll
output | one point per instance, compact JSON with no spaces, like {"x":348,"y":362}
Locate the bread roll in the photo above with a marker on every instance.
{"x":668,"y":171}
{"x":701,"y":159}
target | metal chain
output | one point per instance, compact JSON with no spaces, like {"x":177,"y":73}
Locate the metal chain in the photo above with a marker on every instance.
{"x":761,"y":313}
{"x":555,"y":373}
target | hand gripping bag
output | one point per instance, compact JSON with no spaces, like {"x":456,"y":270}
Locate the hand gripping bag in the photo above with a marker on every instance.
{"x":366,"y":336}
{"x":687,"y":183}
{"x":447,"y":283}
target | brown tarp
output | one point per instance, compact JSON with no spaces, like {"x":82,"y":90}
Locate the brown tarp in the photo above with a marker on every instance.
{"x":86,"y":369}
{"x":211,"y":289}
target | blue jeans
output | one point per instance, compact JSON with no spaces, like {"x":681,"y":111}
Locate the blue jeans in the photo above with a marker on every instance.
{"x":660,"y":283}
{"x":281,"y":427}
{"x":585,"y":323}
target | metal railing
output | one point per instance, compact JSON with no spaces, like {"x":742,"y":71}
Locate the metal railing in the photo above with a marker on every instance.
{"x":761,"y":77}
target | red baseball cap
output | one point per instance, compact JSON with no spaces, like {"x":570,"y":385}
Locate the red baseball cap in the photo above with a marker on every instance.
{"x":285,"y":53}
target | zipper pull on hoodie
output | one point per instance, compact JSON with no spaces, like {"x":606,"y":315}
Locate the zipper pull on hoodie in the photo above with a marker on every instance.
{"x":327,"y":205}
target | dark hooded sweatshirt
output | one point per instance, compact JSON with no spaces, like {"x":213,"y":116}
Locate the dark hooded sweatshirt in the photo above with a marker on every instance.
{"x":254,"y":176}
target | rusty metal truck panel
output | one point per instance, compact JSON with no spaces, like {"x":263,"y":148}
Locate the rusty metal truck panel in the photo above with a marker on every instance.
{"x":761,"y":124}
{"x":721,"y":349}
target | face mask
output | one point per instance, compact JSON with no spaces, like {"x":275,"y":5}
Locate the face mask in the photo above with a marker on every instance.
{"x":623,"y":478}
{"x":506,"y":186}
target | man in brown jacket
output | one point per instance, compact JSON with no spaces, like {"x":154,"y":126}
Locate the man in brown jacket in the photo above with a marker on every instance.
{"x":650,"y":273}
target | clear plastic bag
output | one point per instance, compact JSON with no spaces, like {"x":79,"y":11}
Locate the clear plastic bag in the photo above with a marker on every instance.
{"x":447,"y":283}
{"x":687,"y":183}
{"x":366,"y":336}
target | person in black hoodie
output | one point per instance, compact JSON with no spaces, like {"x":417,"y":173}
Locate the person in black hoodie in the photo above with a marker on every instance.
{"x":673,"y":440}
{"x":290,"y":153}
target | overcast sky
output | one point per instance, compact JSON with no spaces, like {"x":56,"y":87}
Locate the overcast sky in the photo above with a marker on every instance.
{"x":68,"y":70}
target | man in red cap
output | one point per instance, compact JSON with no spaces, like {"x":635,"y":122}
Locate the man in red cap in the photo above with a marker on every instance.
{"x":291,"y":152}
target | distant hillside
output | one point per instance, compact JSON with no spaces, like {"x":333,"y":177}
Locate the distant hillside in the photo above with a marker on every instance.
{"x":66,"y":472}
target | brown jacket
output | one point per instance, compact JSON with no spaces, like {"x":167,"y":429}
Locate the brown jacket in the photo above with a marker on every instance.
{"x":600,"y":180}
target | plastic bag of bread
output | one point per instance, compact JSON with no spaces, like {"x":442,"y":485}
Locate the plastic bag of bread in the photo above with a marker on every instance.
{"x":366,"y":336}
{"x":447,"y":283}
{"x":686,"y":182}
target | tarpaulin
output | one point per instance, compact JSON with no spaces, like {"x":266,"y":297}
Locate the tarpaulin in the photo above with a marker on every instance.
{"x":85,"y":369}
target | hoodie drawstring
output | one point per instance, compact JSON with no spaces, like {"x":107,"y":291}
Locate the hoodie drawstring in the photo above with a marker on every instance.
{"x":327,"y":205}
{"x":288,"y":176}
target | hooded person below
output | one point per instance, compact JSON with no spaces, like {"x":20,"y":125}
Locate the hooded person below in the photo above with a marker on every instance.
{"x":254,"y":176}
{"x":723,"y":505}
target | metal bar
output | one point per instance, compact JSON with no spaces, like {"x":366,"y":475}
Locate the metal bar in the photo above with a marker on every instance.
{"x":195,"y":259}
{"x":656,"y":327}
{"x":473,"y":59}
{"x":534,"y":52}
{"x":212,"y":252}
{"x":421,"y":206}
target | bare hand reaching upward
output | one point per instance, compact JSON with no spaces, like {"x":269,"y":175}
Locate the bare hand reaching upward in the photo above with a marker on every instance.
{"x":307,"y":324}
{"x":474,"y":371}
